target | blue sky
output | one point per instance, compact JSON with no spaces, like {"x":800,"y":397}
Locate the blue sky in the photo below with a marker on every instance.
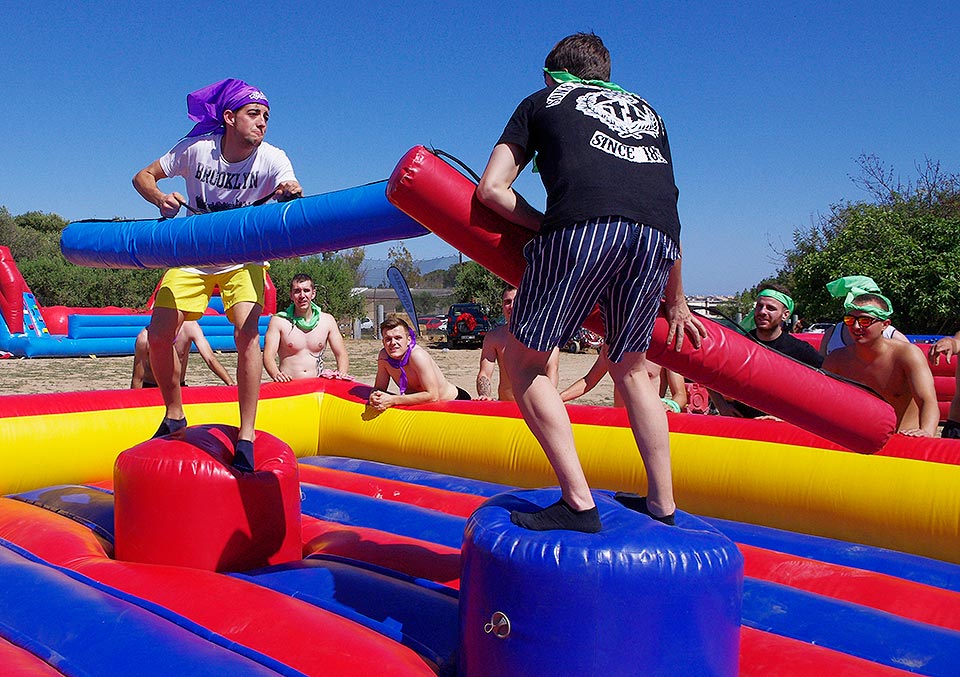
{"x":768,"y":104}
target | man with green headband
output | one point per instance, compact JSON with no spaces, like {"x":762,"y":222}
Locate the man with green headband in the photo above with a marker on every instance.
{"x":299,"y":335}
{"x":896,"y":371}
{"x":848,"y":288}
{"x":772,"y":309}
{"x":610,"y":236}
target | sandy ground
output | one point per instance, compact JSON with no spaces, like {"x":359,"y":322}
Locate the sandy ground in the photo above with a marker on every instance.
{"x":48,"y":375}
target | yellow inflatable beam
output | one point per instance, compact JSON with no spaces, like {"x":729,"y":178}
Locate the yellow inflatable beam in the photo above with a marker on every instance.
{"x":902,"y":504}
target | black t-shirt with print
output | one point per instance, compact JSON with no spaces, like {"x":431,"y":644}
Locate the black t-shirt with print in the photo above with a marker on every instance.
{"x":599,"y":153}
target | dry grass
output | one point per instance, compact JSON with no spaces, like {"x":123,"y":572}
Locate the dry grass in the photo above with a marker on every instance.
{"x":47,"y":375}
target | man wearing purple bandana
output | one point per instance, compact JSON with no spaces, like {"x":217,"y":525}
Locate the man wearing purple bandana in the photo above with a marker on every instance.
{"x":226,"y":164}
{"x":413,"y":370}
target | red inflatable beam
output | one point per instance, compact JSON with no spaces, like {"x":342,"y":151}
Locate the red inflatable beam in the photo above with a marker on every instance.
{"x":444,"y":201}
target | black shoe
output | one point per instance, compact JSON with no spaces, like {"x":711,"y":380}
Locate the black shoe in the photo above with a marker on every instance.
{"x":243,"y":456}
{"x":169,"y":426}
{"x":639,"y":504}
{"x":559,"y":516}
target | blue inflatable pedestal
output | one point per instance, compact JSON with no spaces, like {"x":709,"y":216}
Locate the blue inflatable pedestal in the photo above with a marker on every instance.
{"x":638,"y":598}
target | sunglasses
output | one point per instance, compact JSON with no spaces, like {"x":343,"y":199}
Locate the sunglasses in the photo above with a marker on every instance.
{"x":863,"y":321}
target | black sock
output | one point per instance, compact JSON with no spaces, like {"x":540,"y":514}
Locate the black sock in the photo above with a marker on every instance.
{"x":951,"y":430}
{"x":558,"y":516}
{"x":170,"y":425}
{"x":243,"y":456}
{"x":639,"y":504}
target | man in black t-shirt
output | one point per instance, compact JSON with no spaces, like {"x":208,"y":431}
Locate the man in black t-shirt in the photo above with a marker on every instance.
{"x":773,"y":308}
{"x":610,"y":235}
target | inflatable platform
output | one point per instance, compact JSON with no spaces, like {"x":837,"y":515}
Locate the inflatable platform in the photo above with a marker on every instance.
{"x":376,"y":545}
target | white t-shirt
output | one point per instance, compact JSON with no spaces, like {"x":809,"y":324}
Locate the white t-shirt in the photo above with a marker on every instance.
{"x":213,"y":184}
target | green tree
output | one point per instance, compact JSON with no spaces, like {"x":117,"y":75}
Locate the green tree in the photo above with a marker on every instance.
{"x":907,"y":240}
{"x":402,"y":259}
{"x":354,"y":260}
{"x":440,"y":279}
{"x":478,"y":285}
{"x":333,"y":278}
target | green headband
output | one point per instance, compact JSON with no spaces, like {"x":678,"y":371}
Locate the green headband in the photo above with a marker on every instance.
{"x":873,"y":311}
{"x":852,"y":286}
{"x":779,"y":296}
{"x":565,"y":76}
{"x":749,"y":323}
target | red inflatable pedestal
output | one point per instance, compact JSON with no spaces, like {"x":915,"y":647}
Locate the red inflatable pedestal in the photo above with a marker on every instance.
{"x":179,"y":501}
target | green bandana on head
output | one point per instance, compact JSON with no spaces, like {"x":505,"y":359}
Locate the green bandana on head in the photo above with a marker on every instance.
{"x":301,"y":323}
{"x":852,"y":286}
{"x":749,"y":322}
{"x":871,"y":310}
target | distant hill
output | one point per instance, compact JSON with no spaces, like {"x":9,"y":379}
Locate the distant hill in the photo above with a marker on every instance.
{"x":376,"y":269}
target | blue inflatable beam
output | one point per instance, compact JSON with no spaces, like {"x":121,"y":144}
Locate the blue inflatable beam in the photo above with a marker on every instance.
{"x":320,"y":223}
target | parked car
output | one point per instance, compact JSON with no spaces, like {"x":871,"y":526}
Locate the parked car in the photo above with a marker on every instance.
{"x":366,"y":324}
{"x":819,"y":327}
{"x":583,"y":339}
{"x":435,"y":323}
{"x":466,"y":323}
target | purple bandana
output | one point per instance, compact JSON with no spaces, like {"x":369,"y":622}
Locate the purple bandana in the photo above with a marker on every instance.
{"x":205,"y":106}
{"x":402,"y":362}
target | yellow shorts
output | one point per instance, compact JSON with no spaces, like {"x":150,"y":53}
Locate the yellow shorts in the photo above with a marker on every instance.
{"x":190,"y":293}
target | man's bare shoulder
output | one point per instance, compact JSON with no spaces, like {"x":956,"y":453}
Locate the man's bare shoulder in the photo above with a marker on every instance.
{"x":497,"y":336}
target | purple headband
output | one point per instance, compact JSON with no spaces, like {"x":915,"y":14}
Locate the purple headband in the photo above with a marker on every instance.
{"x":205,"y":106}
{"x":402,"y":362}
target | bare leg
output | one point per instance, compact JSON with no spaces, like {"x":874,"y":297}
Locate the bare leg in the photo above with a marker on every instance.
{"x":161,"y":333}
{"x":245,"y":316}
{"x":546,"y":415}
{"x":648,"y":421}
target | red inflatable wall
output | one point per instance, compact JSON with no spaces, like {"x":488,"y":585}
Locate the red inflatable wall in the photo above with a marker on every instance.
{"x":442,"y":199}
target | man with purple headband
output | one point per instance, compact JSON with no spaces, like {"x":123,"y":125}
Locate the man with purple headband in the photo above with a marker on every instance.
{"x":226,"y":164}
{"x":413,"y":370}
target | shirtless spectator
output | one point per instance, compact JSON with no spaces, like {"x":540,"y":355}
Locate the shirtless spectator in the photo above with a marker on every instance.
{"x":492,"y":356}
{"x":848,"y":288}
{"x":665,"y":381}
{"x":190,"y":334}
{"x":299,"y":335}
{"x":410,"y":366}
{"x":948,"y":347}
{"x":897,"y":371}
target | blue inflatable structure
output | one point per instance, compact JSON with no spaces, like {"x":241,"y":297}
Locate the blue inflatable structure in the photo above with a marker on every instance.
{"x":310,"y":225}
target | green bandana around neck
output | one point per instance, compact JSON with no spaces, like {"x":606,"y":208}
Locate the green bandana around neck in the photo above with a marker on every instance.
{"x":871,"y":310}
{"x":561,"y":77}
{"x":302,"y":323}
{"x":749,"y":322}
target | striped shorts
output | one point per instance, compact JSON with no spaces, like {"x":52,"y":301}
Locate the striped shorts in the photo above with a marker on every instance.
{"x":620,"y":264}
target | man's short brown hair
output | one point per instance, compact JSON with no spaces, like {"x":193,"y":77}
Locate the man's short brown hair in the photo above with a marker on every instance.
{"x":392,"y":322}
{"x":580,"y":54}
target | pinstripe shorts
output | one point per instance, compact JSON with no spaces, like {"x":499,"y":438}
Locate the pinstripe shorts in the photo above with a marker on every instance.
{"x":620,"y":264}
